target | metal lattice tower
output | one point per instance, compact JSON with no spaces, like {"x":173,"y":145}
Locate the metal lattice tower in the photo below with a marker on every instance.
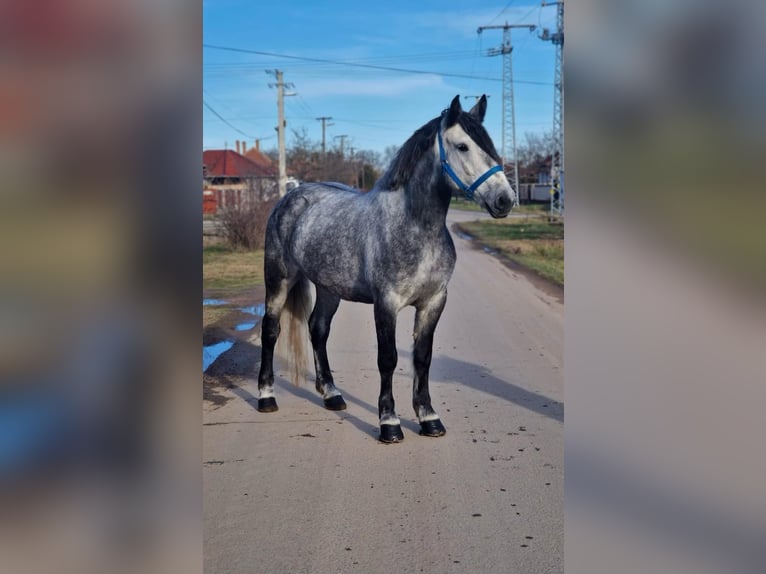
{"x":557,"y":39}
{"x":509,"y":113}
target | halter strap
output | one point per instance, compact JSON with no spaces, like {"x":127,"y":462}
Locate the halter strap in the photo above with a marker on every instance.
{"x":447,"y":168}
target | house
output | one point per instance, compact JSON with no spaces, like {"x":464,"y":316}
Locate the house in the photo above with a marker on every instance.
{"x":231,"y":179}
{"x":263,"y":161}
{"x":535,"y":180}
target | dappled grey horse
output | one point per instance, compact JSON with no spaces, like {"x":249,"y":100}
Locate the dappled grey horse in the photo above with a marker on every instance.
{"x":389,"y":247}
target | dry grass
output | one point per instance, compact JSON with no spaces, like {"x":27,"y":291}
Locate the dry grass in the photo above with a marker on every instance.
{"x":530,"y":208}
{"x":212,"y":314}
{"x":225,"y":268}
{"x":531,"y":242}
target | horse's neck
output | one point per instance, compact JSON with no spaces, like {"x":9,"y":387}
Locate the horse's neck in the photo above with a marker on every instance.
{"x":428,"y":197}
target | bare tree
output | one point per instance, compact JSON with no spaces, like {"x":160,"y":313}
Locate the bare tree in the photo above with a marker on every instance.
{"x":304,"y":159}
{"x":536,"y":147}
{"x":388,"y":155}
{"x":306,"y":162}
{"x":244,"y":223}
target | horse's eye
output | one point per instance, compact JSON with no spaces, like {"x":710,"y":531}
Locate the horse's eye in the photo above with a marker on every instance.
{"x":462,"y":147}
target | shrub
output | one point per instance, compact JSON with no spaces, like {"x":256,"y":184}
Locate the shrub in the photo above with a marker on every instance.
{"x":244,"y":226}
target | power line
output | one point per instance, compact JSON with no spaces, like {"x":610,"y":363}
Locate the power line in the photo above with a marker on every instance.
{"x":380,"y":60}
{"x":501,"y":11}
{"x":224,"y":120}
{"x":305,"y":104}
{"x":355,"y":64}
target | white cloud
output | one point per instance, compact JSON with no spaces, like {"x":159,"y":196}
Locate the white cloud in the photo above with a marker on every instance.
{"x":381,"y":86}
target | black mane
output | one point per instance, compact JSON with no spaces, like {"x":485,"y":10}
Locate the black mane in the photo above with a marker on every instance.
{"x":403,"y":165}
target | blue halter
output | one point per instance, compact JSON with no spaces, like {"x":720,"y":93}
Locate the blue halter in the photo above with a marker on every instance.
{"x":447,"y":168}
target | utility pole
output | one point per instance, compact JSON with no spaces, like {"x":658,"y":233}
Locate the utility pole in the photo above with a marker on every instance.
{"x":342,"y":139}
{"x":509,"y":112}
{"x":281,"y":85}
{"x":325,"y":124}
{"x":557,"y":165}
{"x":354,"y":167}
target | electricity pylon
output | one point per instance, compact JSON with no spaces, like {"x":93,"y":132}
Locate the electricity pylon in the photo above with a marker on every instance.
{"x":509,"y":112}
{"x":557,"y":39}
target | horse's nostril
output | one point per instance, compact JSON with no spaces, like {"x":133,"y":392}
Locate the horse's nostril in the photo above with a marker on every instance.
{"x":503,"y":203}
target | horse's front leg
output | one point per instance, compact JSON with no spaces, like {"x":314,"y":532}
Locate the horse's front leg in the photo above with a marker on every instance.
{"x":426,"y":318}
{"x":385,"y":327}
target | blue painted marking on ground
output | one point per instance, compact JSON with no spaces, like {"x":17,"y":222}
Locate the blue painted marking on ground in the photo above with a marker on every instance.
{"x":211,"y":352}
{"x":29,"y":426}
{"x":257,"y":310}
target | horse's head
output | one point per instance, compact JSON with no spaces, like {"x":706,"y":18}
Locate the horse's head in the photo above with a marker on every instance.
{"x":469,"y":160}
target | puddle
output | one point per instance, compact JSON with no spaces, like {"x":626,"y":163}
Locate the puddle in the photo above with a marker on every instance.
{"x":257,"y":310}
{"x":211,"y":352}
{"x":490,"y":250}
{"x":29,"y":428}
{"x":464,"y":235}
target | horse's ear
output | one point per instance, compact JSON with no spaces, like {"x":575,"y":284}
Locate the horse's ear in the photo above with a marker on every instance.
{"x":479,"y":109}
{"x":453,"y":112}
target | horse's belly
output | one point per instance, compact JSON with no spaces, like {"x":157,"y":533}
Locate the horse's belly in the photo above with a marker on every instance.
{"x":340,"y":282}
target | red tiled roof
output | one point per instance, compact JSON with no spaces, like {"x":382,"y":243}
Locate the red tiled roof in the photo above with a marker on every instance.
{"x":262,"y":160}
{"x":228,"y":163}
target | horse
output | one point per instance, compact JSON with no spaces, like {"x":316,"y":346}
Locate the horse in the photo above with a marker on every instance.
{"x":389,"y":247}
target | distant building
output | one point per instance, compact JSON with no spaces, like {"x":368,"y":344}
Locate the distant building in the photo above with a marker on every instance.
{"x":263,"y":161}
{"x":535,"y":180}
{"x":231,"y":179}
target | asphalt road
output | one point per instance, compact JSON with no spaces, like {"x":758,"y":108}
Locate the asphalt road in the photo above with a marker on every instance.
{"x":305,"y":490}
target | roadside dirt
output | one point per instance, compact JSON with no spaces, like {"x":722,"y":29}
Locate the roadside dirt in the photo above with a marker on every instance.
{"x":244,"y":356}
{"x":545,"y":285}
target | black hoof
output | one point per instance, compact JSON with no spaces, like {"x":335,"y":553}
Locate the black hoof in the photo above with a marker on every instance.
{"x":391,"y":433}
{"x":335,"y":403}
{"x":432,"y":428}
{"x":267,"y":405}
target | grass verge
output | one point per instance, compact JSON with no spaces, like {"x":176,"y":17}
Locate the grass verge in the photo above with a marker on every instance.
{"x":464,"y":204}
{"x":531,"y":242}
{"x":531,"y":208}
{"x":225,"y":268}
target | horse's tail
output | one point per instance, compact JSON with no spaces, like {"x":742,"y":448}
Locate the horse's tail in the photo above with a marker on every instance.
{"x":293,"y":343}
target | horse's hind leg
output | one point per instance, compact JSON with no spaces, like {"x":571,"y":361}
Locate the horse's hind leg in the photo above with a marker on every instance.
{"x":319,"y":327}
{"x":426,"y":318}
{"x":277,"y":290}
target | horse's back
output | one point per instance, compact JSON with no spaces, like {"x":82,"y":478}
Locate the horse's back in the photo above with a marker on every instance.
{"x":294,"y":205}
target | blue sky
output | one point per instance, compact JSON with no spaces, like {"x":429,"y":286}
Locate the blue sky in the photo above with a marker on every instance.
{"x":375,"y":108}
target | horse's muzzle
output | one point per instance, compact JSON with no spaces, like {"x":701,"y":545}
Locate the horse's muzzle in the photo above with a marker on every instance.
{"x":501,"y":206}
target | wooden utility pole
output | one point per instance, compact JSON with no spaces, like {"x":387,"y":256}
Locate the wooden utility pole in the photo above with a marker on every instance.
{"x":280,"y":85}
{"x":342,"y":139}
{"x":324,"y":120}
